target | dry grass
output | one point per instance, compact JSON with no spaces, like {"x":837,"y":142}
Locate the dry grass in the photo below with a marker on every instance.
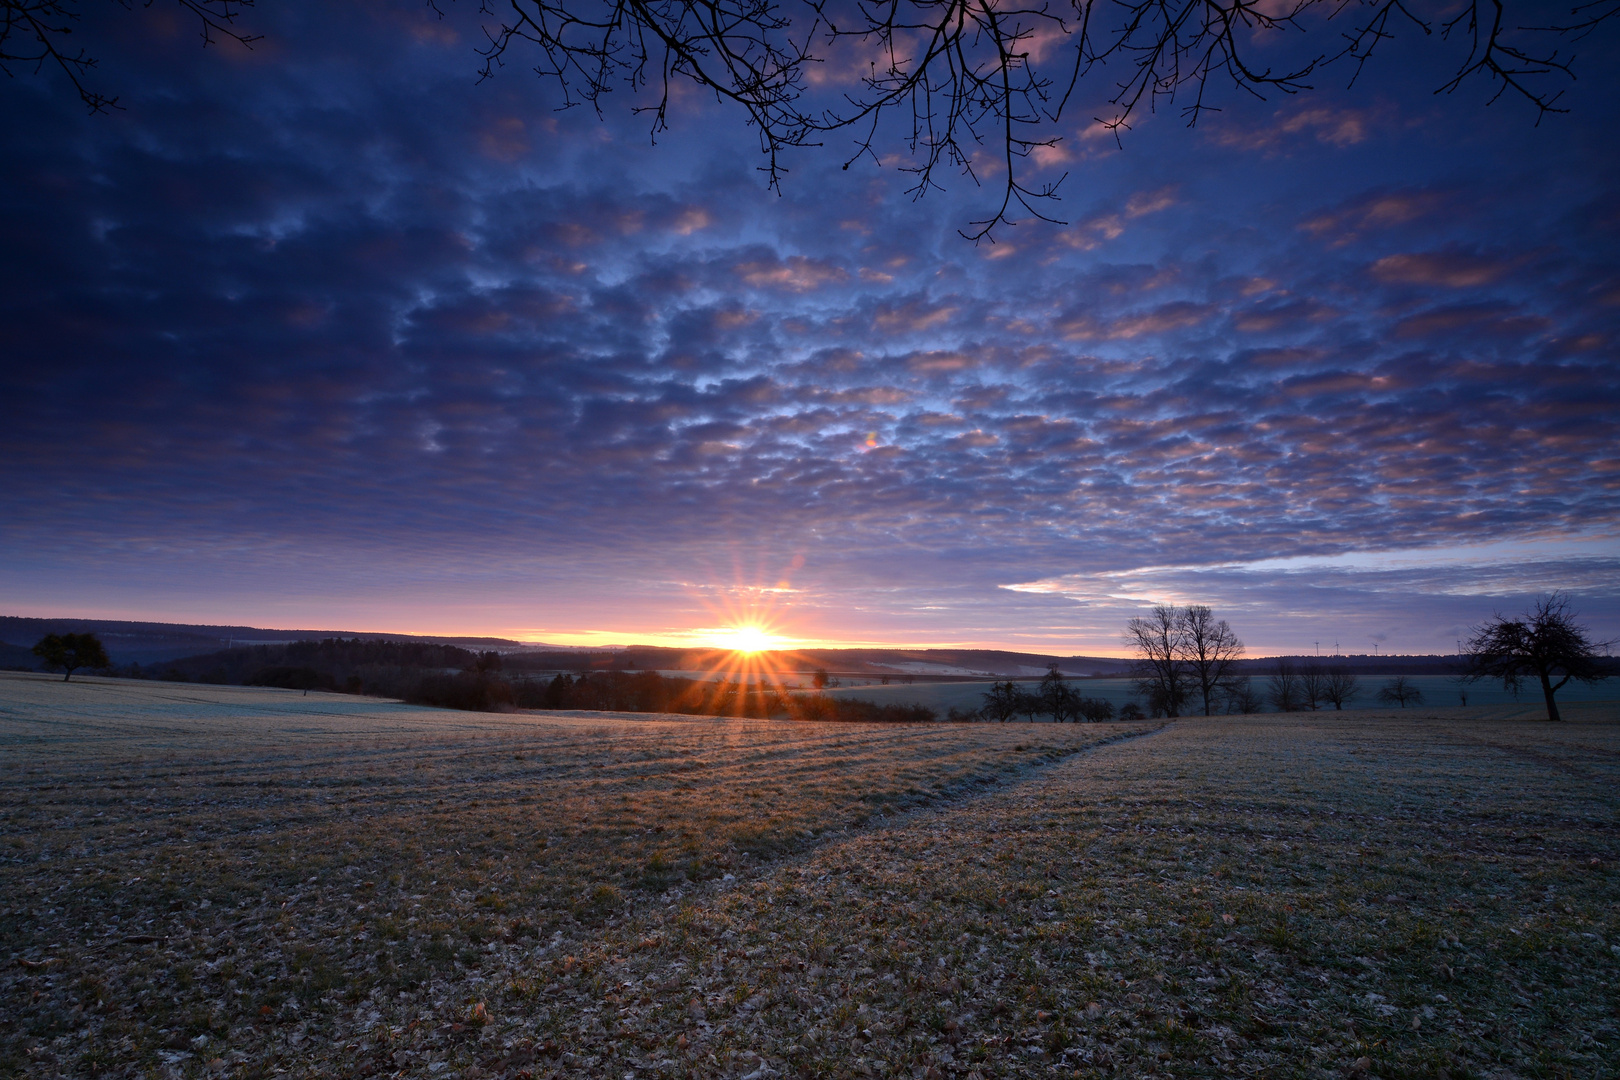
{"x":251,"y":882}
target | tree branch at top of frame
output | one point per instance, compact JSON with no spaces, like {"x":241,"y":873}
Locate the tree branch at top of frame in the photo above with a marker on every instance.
{"x":966,"y":83}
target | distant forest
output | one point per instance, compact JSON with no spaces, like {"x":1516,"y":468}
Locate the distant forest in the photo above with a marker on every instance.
{"x":162,"y":646}
{"x":447,"y":676}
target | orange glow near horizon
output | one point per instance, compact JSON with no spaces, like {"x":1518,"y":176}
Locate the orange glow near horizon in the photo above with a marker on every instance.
{"x":746,"y":638}
{"x":752,"y":648}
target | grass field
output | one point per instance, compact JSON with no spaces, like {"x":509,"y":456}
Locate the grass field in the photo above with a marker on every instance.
{"x":1439,"y":691}
{"x":218,"y":881}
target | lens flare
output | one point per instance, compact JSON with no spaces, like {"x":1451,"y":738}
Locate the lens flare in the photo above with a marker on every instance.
{"x":747,"y":655}
{"x":745,"y":639}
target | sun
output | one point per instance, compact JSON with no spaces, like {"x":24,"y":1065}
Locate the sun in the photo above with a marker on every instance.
{"x":746,"y":639}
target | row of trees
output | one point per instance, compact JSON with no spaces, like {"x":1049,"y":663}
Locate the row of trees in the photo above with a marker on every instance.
{"x":1293,"y":688}
{"x":1186,"y":658}
{"x":483,"y":688}
{"x":1311,"y":686}
{"x":1054,"y":697}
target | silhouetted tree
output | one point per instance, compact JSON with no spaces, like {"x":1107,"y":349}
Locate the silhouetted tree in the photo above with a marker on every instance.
{"x":1130,"y":711}
{"x":1210,"y":650}
{"x":1545,"y":643}
{"x":1002,"y":701}
{"x":1057,"y":699}
{"x":1093,"y":709}
{"x":1182,"y":654}
{"x":1313,"y":679}
{"x":71,"y":652}
{"x":1341,"y":686}
{"x":952,"y":74}
{"x":1283,"y":689}
{"x":1399,"y":691}
{"x":1239,"y":696}
{"x":1162,"y":675}
{"x":819,"y":679}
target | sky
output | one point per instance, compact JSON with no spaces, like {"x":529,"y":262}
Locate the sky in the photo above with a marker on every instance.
{"x":331,"y":334}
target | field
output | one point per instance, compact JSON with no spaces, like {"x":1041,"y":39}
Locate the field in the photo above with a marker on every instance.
{"x":1439,"y":691}
{"x":219,"y":881}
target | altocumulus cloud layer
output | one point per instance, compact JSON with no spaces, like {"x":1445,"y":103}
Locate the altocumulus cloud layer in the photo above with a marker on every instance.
{"x":326,"y":333}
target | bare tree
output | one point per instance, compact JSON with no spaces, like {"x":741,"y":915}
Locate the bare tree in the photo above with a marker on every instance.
{"x":1341,"y":686}
{"x":946,"y":78}
{"x":966,"y":74}
{"x":1399,"y":691}
{"x":1057,"y":699}
{"x":1029,"y":703}
{"x":1545,"y":643}
{"x":1210,"y":650}
{"x":36,"y":32}
{"x":1240,"y":696}
{"x":1182,"y":654}
{"x":1283,"y":689}
{"x":1002,"y":701}
{"x":1162,"y":674}
{"x":1313,"y":680}
{"x":1093,"y":709}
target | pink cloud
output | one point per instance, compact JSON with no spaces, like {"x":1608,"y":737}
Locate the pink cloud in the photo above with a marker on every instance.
{"x":796,"y":273}
{"x":1453,"y":269}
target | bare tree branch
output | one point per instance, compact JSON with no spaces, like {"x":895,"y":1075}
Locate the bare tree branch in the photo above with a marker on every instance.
{"x":961,"y":73}
{"x":960,"y":83}
{"x":36,"y":32}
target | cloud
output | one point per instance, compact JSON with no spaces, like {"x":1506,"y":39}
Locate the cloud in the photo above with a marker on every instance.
{"x":795,"y":273}
{"x":1336,"y":126}
{"x":1451,"y":269}
{"x":1377,"y":212}
{"x":1484,"y":320}
{"x":1144,"y":203}
{"x":1346,"y":599}
{"x":302,"y":332}
{"x":1176,"y":315}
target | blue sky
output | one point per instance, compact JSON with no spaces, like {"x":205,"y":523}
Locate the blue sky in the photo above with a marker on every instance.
{"x":329,"y":334}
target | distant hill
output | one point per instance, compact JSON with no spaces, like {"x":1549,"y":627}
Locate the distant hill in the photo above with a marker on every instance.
{"x":929,"y":665}
{"x":382,"y":668}
{"x":150,"y":643}
{"x":13,"y":657}
{"x":156,"y":643}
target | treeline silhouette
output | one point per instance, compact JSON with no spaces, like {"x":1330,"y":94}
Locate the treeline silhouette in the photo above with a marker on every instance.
{"x":649,"y":691}
{"x":449,"y":677}
{"x":349,"y":665}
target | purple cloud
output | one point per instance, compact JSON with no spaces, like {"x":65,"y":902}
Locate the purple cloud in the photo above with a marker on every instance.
{"x":299,"y":340}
